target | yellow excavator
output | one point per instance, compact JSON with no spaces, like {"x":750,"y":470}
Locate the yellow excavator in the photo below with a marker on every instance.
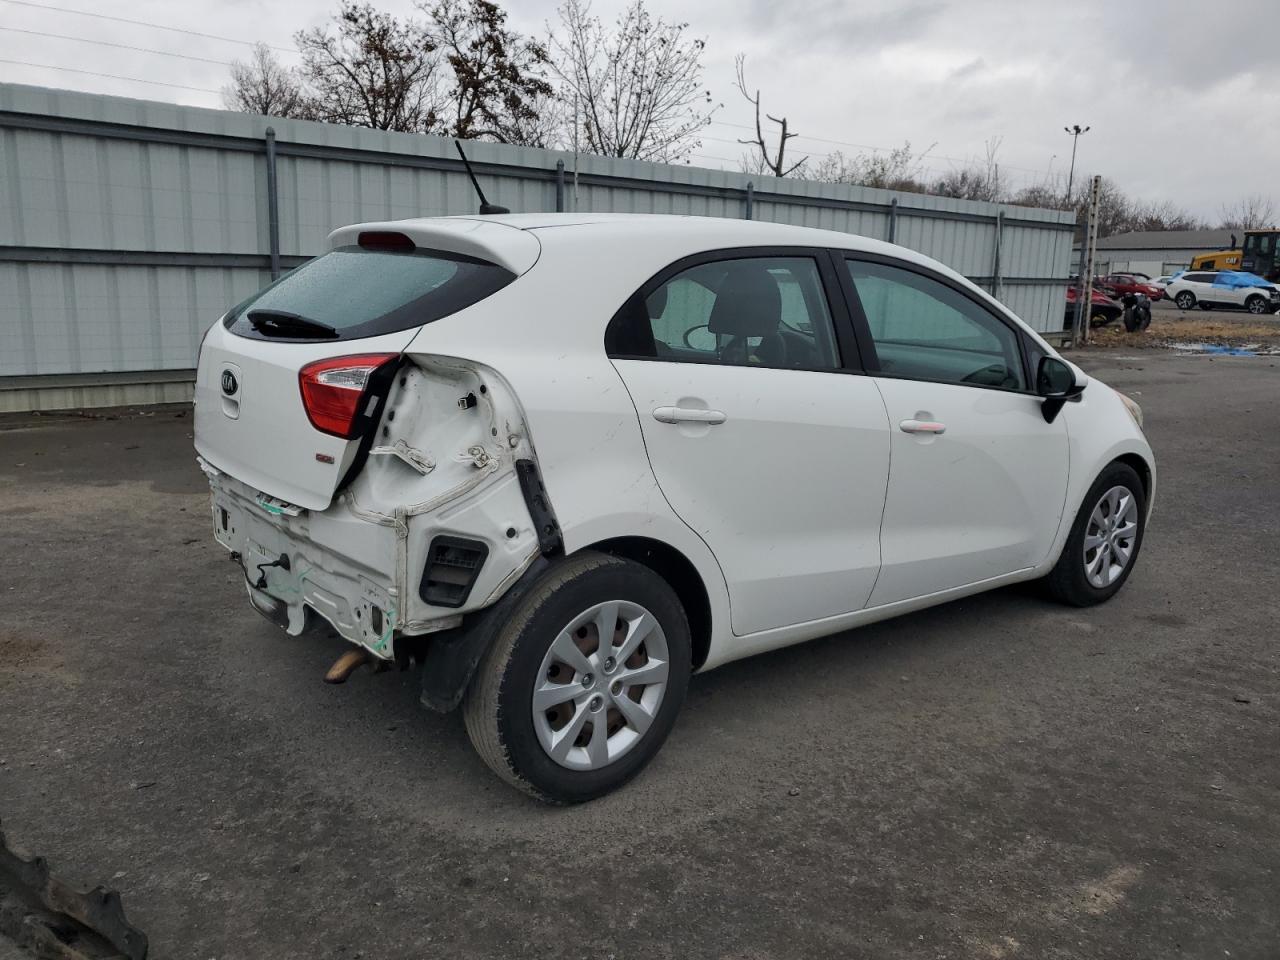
{"x":1260,"y":254}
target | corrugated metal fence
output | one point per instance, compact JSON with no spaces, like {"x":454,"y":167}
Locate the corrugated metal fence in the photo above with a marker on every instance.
{"x":128,"y":226}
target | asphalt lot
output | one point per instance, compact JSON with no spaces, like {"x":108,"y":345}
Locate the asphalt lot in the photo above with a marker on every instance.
{"x":996,"y":778}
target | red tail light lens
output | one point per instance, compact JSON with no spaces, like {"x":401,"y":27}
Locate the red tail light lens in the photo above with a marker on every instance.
{"x":333,"y":390}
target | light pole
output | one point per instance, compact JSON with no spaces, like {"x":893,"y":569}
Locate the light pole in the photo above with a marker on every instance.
{"x":1075,"y":130}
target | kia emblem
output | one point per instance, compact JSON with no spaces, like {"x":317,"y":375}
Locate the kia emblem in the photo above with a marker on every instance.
{"x":229,"y":383}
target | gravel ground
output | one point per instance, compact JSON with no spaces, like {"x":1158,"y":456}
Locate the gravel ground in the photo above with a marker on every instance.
{"x":1195,"y":328}
{"x":996,"y":778}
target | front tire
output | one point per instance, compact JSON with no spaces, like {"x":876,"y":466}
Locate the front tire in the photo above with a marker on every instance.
{"x":583,"y":684}
{"x":1256,"y":305}
{"x":1104,"y":542}
{"x":1185,"y":300}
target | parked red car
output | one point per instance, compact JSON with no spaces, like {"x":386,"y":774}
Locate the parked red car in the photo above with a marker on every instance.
{"x":1102,"y":309}
{"x":1118,"y":284}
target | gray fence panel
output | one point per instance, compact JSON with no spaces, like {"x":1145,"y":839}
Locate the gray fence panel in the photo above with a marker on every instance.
{"x":127,"y":226}
{"x":58,"y":318}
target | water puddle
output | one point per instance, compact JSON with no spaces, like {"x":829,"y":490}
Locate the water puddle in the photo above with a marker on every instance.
{"x":1220,"y":350}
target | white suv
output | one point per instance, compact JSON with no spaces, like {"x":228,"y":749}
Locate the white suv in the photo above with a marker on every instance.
{"x":1205,"y":288}
{"x":563,"y":461}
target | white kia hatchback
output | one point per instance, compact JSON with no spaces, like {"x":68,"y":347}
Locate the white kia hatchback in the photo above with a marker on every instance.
{"x":562,"y":461}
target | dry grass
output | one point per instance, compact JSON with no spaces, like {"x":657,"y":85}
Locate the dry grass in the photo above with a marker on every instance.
{"x":1169,"y":330}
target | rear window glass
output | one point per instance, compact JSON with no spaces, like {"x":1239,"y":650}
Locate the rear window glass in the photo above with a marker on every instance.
{"x":365,"y":293}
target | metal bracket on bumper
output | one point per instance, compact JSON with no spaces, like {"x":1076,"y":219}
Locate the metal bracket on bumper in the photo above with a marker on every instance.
{"x":52,"y":920}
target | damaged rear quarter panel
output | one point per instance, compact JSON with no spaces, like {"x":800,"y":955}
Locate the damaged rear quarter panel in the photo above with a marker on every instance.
{"x":443,"y":464}
{"x":544,"y":335}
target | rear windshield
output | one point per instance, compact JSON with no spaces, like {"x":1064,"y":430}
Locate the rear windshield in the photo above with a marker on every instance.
{"x":364,"y":293}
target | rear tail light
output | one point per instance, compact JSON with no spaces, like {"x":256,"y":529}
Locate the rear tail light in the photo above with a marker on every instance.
{"x":334,"y":391}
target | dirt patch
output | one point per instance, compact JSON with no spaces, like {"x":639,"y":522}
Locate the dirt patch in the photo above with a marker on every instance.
{"x":25,"y":657}
{"x":1109,"y":892}
{"x":1165,"y":333}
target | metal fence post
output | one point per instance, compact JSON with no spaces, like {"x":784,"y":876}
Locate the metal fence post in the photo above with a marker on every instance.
{"x":893,"y":219}
{"x":995,"y":257}
{"x":1084,"y":298}
{"x":559,"y":186}
{"x":273,"y":205}
{"x":751,"y":196}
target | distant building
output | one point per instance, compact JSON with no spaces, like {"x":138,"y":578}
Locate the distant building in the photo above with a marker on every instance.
{"x":1156,"y":252}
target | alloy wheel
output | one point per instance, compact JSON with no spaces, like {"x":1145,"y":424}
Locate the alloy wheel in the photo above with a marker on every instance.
{"x":1110,"y":537}
{"x":601,"y":685}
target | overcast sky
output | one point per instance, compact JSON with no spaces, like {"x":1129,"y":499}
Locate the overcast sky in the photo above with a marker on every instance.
{"x":1182,"y":101}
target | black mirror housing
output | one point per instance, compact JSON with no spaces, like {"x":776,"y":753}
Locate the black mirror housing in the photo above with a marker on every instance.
{"x":1056,"y":382}
{"x":1054,"y":378}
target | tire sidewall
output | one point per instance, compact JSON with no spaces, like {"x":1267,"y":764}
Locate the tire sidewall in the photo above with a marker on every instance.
{"x":542,"y":621}
{"x":1116,"y":474}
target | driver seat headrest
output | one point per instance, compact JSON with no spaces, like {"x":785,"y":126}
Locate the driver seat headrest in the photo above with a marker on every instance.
{"x":748,"y":303}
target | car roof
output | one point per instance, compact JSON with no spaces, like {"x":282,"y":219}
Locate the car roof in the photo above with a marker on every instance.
{"x":652,"y":241}
{"x":685,"y":228}
{"x":678,"y":235}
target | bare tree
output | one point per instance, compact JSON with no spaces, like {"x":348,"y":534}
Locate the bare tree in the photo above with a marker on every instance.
{"x":636,"y":89}
{"x":763,"y":158}
{"x":498,"y":89}
{"x":372,"y":71}
{"x":1251,"y":213}
{"x":265,"y":86}
{"x":979,"y":180}
{"x":1048,"y":195}
{"x":1160,"y":215}
{"x":897,"y":169}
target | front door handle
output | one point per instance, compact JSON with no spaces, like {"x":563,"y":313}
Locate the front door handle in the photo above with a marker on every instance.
{"x":688,"y":415}
{"x":922,"y":426}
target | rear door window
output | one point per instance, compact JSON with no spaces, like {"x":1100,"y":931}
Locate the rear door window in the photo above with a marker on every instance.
{"x":357,"y":293}
{"x":754,"y":311}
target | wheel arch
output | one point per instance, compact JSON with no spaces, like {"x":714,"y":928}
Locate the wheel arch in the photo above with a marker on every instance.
{"x":1146,"y":473}
{"x":1141,"y":467}
{"x":681,"y":575}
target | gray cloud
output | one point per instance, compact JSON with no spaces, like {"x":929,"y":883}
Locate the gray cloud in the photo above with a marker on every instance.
{"x":869,"y":72}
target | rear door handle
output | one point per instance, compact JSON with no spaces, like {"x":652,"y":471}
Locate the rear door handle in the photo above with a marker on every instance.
{"x":922,"y":426}
{"x":688,"y":415}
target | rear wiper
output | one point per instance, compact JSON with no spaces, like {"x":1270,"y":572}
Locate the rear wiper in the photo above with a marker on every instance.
{"x":286,"y":324}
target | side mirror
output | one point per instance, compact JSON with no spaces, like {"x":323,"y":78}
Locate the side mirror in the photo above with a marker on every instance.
{"x":1058,"y":381}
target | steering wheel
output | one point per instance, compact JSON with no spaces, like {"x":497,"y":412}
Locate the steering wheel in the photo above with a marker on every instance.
{"x":688,"y":333}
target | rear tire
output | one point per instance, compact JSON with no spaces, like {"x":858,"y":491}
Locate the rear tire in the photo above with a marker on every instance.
{"x":1085,"y":576}
{"x":1185,"y":300}
{"x":557,"y":754}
